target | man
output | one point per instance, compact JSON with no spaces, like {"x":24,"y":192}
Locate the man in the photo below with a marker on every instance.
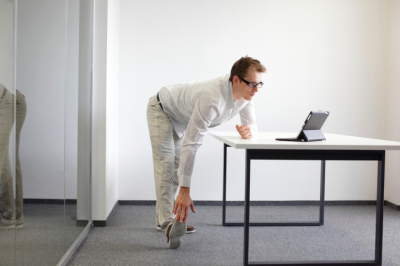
{"x":178,"y":118}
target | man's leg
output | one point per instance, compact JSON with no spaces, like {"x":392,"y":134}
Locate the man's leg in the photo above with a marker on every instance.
{"x":7,"y":198}
{"x":6,"y":182}
{"x":178,"y":144}
{"x":162,"y":142}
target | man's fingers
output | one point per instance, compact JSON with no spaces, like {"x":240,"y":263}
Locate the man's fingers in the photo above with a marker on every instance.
{"x":244,"y":128}
{"x":181,"y":218}
{"x":192,"y":207}
{"x":178,"y":212}
{"x":186,"y":214}
{"x":244,"y":131}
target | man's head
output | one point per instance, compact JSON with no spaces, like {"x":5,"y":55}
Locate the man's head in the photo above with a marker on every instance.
{"x":246,"y":77}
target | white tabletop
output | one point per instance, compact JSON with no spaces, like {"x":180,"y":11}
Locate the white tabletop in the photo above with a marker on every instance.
{"x":266,"y":140}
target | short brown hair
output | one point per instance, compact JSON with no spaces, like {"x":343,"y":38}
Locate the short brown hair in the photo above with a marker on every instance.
{"x":241,"y":66}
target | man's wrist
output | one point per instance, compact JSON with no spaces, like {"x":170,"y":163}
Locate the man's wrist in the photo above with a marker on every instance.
{"x":184,"y":190}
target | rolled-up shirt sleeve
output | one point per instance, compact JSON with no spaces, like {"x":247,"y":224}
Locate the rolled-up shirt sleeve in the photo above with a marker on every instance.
{"x":248,"y":117}
{"x":204,"y":112}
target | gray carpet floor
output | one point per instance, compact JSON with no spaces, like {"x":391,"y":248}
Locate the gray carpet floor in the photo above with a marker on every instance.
{"x":130,"y":238}
{"x":49,"y":230}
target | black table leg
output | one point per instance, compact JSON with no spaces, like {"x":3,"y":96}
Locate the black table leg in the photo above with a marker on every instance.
{"x":224,"y":188}
{"x":322,"y":194}
{"x":379,"y":210}
{"x":247,"y":210}
{"x":380,"y":156}
{"x":303,"y":223}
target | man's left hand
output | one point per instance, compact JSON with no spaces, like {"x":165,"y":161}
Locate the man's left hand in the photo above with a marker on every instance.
{"x":244,"y":131}
{"x":182,"y":204}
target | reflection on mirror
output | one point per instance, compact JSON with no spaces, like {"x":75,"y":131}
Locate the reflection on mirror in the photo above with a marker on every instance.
{"x":7,"y":140}
{"x":44,"y":153}
{"x":11,"y":212}
{"x":7,"y":215}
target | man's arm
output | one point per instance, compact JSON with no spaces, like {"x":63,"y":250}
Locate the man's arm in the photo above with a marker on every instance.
{"x":248,"y":129}
{"x":203,"y":114}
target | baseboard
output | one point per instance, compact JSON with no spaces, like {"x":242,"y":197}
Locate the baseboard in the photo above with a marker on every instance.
{"x":392,"y":205}
{"x":50,"y":201}
{"x":270,"y":203}
{"x":137,"y":202}
{"x":81,"y":223}
{"x":103,"y":223}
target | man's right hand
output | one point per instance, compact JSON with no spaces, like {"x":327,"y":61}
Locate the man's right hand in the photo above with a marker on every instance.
{"x":182,"y":203}
{"x":244,"y":131}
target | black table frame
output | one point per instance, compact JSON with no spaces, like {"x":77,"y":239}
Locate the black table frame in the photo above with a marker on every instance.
{"x":303,"y":223}
{"x":321,"y":155}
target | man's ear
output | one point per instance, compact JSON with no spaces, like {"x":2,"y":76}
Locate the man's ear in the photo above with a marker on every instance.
{"x":235,"y":79}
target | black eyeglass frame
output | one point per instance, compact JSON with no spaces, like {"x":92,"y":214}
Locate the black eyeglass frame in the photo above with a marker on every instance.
{"x":259,"y":85}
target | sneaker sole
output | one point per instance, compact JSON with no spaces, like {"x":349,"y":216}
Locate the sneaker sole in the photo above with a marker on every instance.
{"x":177,"y":231}
{"x":11,"y":226}
{"x":187,"y":232}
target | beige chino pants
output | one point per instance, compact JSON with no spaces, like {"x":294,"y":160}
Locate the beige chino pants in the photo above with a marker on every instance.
{"x":6,"y":180}
{"x":166,"y":146}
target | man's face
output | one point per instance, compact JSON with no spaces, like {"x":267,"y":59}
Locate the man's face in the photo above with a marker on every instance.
{"x":244,"y":90}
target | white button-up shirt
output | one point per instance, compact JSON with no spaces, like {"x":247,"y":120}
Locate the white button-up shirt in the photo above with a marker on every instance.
{"x":195,"y":107}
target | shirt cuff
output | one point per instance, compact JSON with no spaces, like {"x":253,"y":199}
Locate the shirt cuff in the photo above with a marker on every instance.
{"x":184,"y":180}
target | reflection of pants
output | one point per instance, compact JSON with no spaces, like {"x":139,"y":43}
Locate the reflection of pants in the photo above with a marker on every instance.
{"x":166,"y":147}
{"x":6,"y":182}
{"x":7,"y":192}
{"x":20,"y":114}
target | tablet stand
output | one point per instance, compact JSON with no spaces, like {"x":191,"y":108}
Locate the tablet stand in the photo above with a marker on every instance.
{"x":312,"y":135}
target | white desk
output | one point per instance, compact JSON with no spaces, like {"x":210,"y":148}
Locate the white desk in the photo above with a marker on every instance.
{"x":336,"y":147}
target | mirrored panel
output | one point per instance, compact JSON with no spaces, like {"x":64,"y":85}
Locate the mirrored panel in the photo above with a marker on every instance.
{"x":40,"y":76}
{"x":45,"y":132}
{"x":78,"y":118}
{"x":10,"y":200}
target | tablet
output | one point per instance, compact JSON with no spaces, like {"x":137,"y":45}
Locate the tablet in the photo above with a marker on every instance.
{"x":311,"y":129}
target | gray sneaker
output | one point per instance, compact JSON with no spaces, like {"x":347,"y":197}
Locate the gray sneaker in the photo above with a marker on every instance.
{"x":19,"y":220}
{"x":174,"y":233}
{"x":19,"y":223}
{"x":189,"y":229}
{"x":6,"y":224}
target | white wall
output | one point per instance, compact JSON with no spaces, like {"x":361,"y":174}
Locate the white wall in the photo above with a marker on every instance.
{"x":105,"y":111}
{"x":7,"y":44}
{"x":41,"y":70}
{"x":112,"y":102}
{"x":99,"y":110}
{"x":319,"y":55}
{"x":393,"y":109}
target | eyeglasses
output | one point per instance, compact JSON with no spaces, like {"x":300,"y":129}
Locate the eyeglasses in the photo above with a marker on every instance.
{"x":252,"y":84}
